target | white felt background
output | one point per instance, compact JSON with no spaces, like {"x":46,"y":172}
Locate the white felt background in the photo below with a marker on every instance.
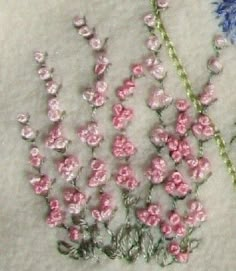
{"x":26,"y":242}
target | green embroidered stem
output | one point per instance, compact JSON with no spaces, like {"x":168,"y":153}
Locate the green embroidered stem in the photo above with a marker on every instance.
{"x":189,"y":89}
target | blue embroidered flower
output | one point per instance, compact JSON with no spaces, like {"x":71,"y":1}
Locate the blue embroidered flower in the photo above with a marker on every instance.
{"x":226,"y":12}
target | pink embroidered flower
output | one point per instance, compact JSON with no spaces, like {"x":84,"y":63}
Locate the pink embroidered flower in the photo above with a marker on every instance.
{"x":182,"y":257}
{"x":78,"y":21}
{"x":89,"y":134}
{"x":207,"y":96}
{"x":28,"y":133}
{"x":96,"y":96}
{"x":220,"y":41}
{"x":137,"y":70}
{"x":201,"y":170}
{"x":35,"y":158}
{"x":68,"y":168}
{"x":156,"y":172}
{"x":174,"y":218}
{"x":196,"y":214}
{"x":23,"y":118}
{"x":176,"y":186}
{"x":150,"y":216}
{"x":95,"y":43}
{"x":122,"y":147}
{"x":166,"y":230}
{"x":56,"y":139}
{"x":162,"y":3}
{"x":181,"y":105}
{"x":155,"y":67}
{"x":41,"y":185}
{"x":159,"y":99}
{"x":179,"y":149}
{"x":153,"y":43}
{"x":150,"y":20}
{"x":52,"y":87}
{"x":183,"y":123}
{"x":54,"y":204}
{"x":102,"y":65}
{"x":126,"y":90}
{"x":45,"y":73}
{"x":125,"y":178}
{"x":85,"y":32}
{"x":105,"y":208}
{"x":203,"y":129}
{"x":74,"y":199}
{"x":56,"y":215}
{"x":54,"y":111}
{"x":98,"y":175}
{"x":214,"y":65}
{"x":40,"y":57}
{"x":173,"y":248}
{"x":175,"y":226}
{"x":159,"y":136}
{"x":121,"y":116}
{"x":74,"y":233}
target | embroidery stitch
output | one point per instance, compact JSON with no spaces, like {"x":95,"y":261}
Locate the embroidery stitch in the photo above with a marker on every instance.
{"x":190,"y":93}
{"x":226,"y":13}
{"x":149,"y":229}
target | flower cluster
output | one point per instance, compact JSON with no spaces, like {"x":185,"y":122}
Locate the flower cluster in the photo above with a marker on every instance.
{"x":98,"y":175}
{"x":174,"y":226}
{"x":153,"y":43}
{"x":158,"y":99}
{"x":203,"y":128}
{"x":126,"y":90}
{"x":96,"y":96}
{"x":196,"y":214}
{"x":102,"y":62}
{"x":179,"y":148}
{"x":157,"y":171}
{"x":105,"y":208}
{"x":175,"y":250}
{"x":200,"y":168}
{"x":158,"y":136}
{"x":74,"y":199}
{"x":207,"y":96}
{"x":155,"y":67}
{"x":54,"y":111}
{"x":27,"y":132}
{"x":68,"y":167}
{"x":125,"y":177}
{"x":176,"y":186}
{"x":35,"y":158}
{"x":41,"y":185}
{"x":150,"y":216}
{"x":45,"y":74}
{"x":89,"y":134}
{"x":122,"y":147}
{"x":55,"y":139}
{"x":183,"y":121}
{"x":121,"y":116}
{"x":56,"y":216}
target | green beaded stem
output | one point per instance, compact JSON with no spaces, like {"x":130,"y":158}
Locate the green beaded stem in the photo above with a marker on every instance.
{"x":189,"y":90}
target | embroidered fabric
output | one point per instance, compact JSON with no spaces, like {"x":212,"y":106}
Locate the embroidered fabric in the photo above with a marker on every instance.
{"x":112,"y":203}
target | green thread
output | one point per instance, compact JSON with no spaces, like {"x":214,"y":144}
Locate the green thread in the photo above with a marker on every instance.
{"x":189,"y":90}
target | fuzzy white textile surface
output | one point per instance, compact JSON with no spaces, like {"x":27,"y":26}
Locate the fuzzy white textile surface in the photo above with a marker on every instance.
{"x":26,"y":242}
